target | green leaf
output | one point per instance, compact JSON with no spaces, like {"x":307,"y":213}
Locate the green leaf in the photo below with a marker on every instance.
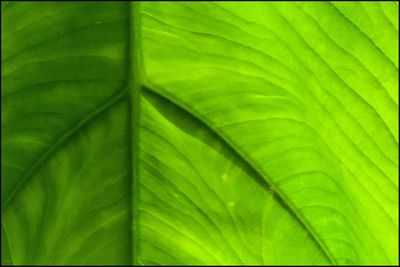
{"x":199,"y":133}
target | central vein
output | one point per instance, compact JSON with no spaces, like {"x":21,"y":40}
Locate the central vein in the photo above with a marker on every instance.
{"x":134,"y":84}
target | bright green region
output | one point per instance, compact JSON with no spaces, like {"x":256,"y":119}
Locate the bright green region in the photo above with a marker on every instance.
{"x":305,"y":96}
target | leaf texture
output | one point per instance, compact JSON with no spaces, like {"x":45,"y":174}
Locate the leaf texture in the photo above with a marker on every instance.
{"x":306,"y":96}
{"x":199,"y":133}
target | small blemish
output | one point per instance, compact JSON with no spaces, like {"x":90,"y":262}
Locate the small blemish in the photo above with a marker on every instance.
{"x":231,"y":204}
{"x":225,"y":177}
{"x":271,"y":190}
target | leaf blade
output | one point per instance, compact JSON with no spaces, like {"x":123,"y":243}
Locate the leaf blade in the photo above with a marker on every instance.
{"x":300,"y":134}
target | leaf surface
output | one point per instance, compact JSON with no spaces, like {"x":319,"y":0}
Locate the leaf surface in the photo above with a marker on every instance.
{"x":60,"y":68}
{"x":306,"y":96}
{"x":264,"y":133}
{"x":198,"y":191}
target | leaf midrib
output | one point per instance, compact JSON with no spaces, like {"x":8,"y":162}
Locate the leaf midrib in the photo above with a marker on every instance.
{"x":132,"y":89}
{"x":134,"y":75}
